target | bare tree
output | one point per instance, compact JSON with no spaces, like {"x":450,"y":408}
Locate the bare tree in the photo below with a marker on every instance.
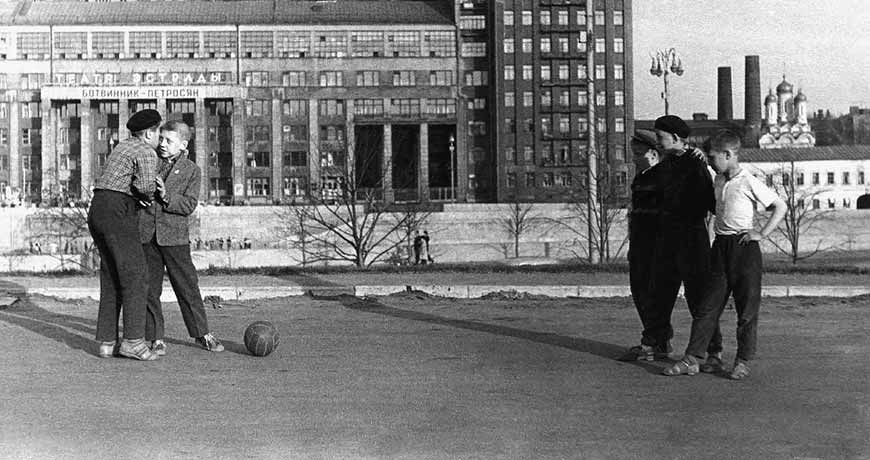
{"x":64,"y":225}
{"x":516,"y":220}
{"x":803,"y":213}
{"x":345,"y":218}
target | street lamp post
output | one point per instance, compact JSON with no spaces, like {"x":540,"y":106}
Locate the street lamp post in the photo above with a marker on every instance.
{"x":452,"y":147}
{"x":663,"y":63}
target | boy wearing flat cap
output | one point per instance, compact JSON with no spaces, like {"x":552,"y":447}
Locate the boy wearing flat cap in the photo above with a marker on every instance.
{"x":682,"y":248}
{"x":113,"y":220}
{"x":647,"y":189}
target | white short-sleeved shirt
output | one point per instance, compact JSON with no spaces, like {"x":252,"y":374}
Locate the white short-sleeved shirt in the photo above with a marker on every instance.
{"x":735,"y":202}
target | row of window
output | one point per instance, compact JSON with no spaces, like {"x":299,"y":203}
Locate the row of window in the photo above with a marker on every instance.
{"x":336,"y":107}
{"x":561,"y":17}
{"x":333,"y":78}
{"x":581,"y":98}
{"x":227,"y":44}
{"x":563,"y":72}
{"x":562,"y":45}
{"x":830,"y":179}
{"x":552,"y":179}
{"x":581,"y":125}
{"x":556,"y":153}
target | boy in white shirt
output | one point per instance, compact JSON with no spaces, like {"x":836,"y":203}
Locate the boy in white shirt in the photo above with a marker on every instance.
{"x":736,"y":261}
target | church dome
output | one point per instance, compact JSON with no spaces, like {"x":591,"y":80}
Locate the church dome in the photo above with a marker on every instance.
{"x":784,"y":87}
{"x":771,"y":98}
{"x":801,"y":97}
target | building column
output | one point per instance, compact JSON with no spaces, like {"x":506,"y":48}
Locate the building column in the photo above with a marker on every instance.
{"x":238,"y":149}
{"x":123,"y":117}
{"x":389,"y":194}
{"x":277,"y":151}
{"x":48,"y":149}
{"x":200,"y":143}
{"x":350,"y":144}
{"x":423,"y":167}
{"x":161,"y":107}
{"x":86,"y":159}
{"x":461,"y":162}
{"x":313,"y":149}
{"x":16,"y":177}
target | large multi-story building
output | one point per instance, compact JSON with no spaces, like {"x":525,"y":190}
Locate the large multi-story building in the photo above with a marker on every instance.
{"x":419,"y":100}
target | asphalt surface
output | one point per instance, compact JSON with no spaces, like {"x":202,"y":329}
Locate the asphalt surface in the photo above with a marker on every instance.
{"x":411,"y":376}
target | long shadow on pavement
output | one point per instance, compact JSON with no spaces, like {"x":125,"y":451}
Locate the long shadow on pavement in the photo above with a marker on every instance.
{"x":594,"y":347}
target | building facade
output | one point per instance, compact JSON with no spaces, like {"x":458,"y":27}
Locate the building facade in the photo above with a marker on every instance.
{"x":288,"y":99}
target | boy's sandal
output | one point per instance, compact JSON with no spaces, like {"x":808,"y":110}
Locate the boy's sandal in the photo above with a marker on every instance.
{"x":681,"y":367}
{"x":137,"y":350}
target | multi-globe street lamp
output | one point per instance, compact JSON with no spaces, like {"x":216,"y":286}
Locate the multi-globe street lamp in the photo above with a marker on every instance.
{"x":664,"y":63}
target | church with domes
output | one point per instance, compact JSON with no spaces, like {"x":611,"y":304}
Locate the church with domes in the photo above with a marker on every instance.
{"x":785,"y":123}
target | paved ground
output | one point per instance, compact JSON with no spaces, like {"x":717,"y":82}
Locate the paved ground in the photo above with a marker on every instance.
{"x":414,"y":377}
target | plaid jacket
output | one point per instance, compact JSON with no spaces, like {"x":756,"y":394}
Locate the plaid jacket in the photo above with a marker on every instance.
{"x":168,"y":219}
{"x":130,"y":169}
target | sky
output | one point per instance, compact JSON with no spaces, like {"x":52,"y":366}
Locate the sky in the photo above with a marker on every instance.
{"x":823,"y":47}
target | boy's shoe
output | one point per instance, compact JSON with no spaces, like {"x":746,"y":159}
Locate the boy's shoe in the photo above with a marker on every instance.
{"x":713,"y":364}
{"x":108,"y":349}
{"x":210,"y":343}
{"x":646,"y":353}
{"x":159,"y":348}
{"x":686,"y":366}
{"x":740,"y":371}
{"x":136,"y":349}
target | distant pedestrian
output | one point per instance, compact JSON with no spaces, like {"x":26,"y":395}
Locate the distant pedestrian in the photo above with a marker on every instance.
{"x":418,"y":247}
{"x":426,"y":256}
{"x":736,"y":262}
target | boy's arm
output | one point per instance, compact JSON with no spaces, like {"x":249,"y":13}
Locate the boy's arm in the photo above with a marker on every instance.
{"x":779,"y":209}
{"x":184,"y":203}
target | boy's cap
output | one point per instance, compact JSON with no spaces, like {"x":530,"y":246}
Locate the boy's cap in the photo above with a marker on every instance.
{"x":674,"y":125}
{"x":143,"y":119}
{"x":645,"y":137}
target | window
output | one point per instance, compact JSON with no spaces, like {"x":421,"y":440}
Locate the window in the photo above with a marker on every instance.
{"x":294,"y":186}
{"x":563,"y":72}
{"x":509,"y":99}
{"x":404,"y":44}
{"x":107,"y":107}
{"x":601,"y":125}
{"x":619,"y":152}
{"x":70,"y":45}
{"x":564,"y":125}
{"x":406,"y":106}
{"x":830,"y":178}
{"x":30,"y":136}
{"x":510,"y":155}
{"x":440,"y":44}
{"x":258,"y":159}
{"x":546,"y":98}
{"x":29,"y":109}
{"x":617,"y":18}
{"x":618,"y":45}
{"x":294,"y":133}
{"x":4,"y":110}
{"x":815,"y":178}
{"x":296,"y":158}
{"x":257,"y":44}
{"x":563,"y":45}
{"x":530,"y":180}
{"x":259,"y":78}
{"x":768,"y":180}
{"x":528,"y":154}
{"x":511,"y":179}
{"x":545,"y":18}
{"x":799,"y":179}
{"x":582,"y":125}
{"x":331,"y":79}
{"x":441,"y":78}
{"x":528,"y":99}
{"x":477,"y":128}
{"x":258,"y":186}
{"x":582,"y":98}
{"x":562,"y":16}
{"x":332,"y":133}
{"x":599,"y":17}
{"x":368,"y":107}
{"x":545,"y":45}
{"x":581,"y":72}
{"x":564,"y":98}
{"x":330,"y":44}
{"x":599,"y":72}
{"x":618,"y":72}
{"x":404,"y":78}
{"x":478,"y":103}
{"x":508,"y":18}
{"x":545,"y":72}
{"x":546,"y":153}
{"x":581,"y":43}
{"x":527,"y":45}
{"x":860,"y":177}
{"x":366,"y":44}
{"x":33,"y":45}
{"x":368,"y":78}
{"x":32,"y":80}
{"x":258,"y":107}
{"x":4,"y":136}
{"x":331,"y":107}
{"x":508,"y":72}
{"x":258,"y":133}
{"x":219,"y":108}
{"x":296,"y":108}
{"x":546,"y":126}
{"x":619,"y":125}
{"x":846,"y":178}
{"x":510,"y":125}
{"x":528,"y":72}
{"x":476,"y":78}
{"x":293,"y":79}
{"x":474,"y":49}
{"x":293,"y":44}
{"x":145,"y":45}
{"x":527,"y":17}
{"x":441,"y":106}
{"x":600,"y":45}
{"x":547,"y":179}
{"x":529,"y":125}
{"x":831,"y":203}
{"x":181,"y":106}
{"x":220,"y":44}
{"x":475,"y":22}
{"x":4,"y":166}
{"x":564,"y":179}
{"x":816,"y":204}
{"x":184,"y":44}
{"x":600,"y":98}
{"x":618,"y":98}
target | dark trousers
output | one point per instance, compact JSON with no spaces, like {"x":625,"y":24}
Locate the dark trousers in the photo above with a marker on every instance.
{"x":736,"y":270}
{"x":682,"y":256}
{"x":641,"y":253}
{"x":113,"y":220}
{"x":182,"y":277}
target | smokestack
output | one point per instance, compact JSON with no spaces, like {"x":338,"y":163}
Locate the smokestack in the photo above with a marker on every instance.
{"x":725,"y":109}
{"x":753,"y":91}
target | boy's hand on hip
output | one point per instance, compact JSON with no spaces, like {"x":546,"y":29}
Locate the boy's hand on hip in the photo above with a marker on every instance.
{"x":752,"y":235}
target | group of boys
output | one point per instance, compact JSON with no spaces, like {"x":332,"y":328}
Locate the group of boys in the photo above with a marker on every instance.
{"x":676,"y":189}
{"x":138,"y":219}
